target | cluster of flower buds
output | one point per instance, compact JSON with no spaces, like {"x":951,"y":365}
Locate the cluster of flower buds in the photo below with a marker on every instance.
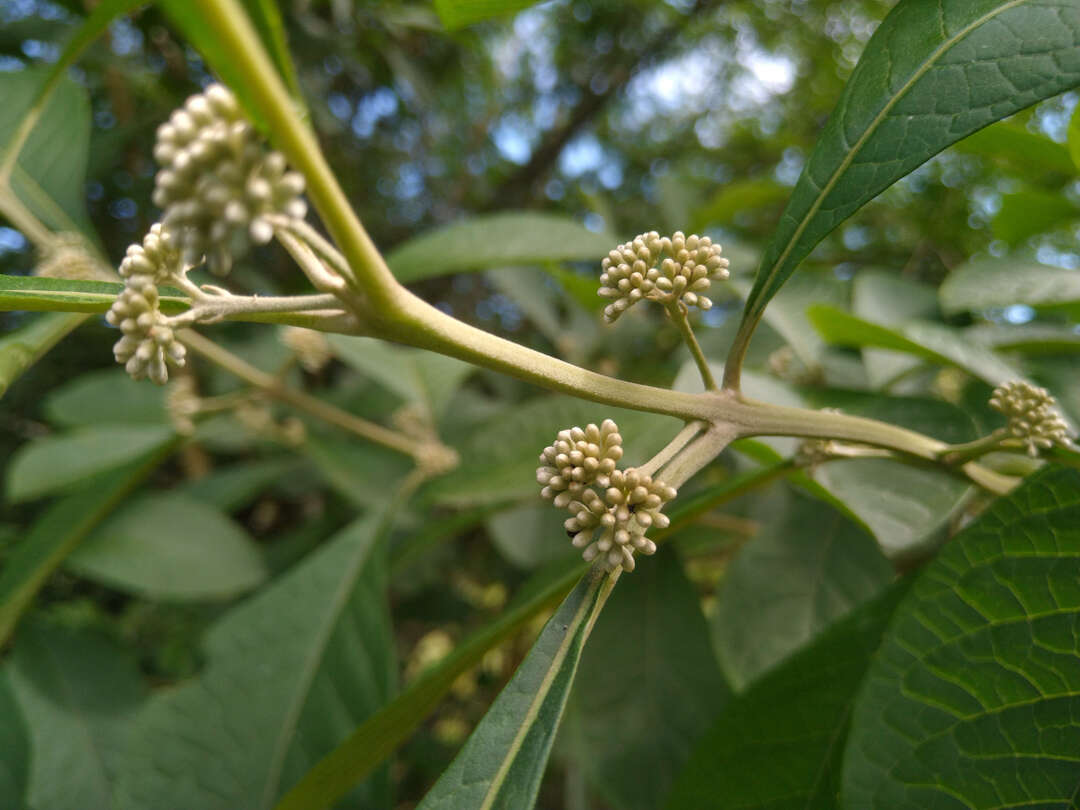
{"x":663,"y":269}
{"x":1032,"y":414}
{"x":311,"y":348}
{"x":611,"y":509}
{"x":148,"y":343}
{"x":218,"y":182}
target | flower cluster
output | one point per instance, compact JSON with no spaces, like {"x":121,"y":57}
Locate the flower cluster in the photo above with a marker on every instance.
{"x":1033,"y":418}
{"x":311,"y":348}
{"x":611,"y":509}
{"x":218,"y":183}
{"x":148,"y":343}
{"x":663,"y":269}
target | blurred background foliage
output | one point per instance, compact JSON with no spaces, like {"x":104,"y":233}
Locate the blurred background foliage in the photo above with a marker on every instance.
{"x":622,"y":117}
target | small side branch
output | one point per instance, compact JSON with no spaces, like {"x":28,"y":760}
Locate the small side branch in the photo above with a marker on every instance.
{"x":677,"y":311}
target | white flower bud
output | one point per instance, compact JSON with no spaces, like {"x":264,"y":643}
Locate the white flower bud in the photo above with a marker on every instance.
{"x":1033,"y":419}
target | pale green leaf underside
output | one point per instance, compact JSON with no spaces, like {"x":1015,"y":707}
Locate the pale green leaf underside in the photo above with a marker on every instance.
{"x":502,"y":762}
{"x":974,"y":698}
{"x":33,"y":293}
{"x":934,"y":72}
{"x":1004,"y":282}
{"x":495,"y":240}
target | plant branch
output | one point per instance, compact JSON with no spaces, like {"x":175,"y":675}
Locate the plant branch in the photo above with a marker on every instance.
{"x":677,"y":311}
{"x":273,"y":387}
{"x":691,"y":430}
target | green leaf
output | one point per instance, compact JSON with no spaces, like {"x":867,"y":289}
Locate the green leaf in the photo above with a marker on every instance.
{"x":421,"y":377}
{"x":266,"y":16}
{"x":363,"y":473}
{"x":530,"y":534}
{"x":1074,"y":139}
{"x":647,"y":686}
{"x":1011,"y":143}
{"x":50,"y":171}
{"x":931,"y":74}
{"x":79,"y":693}
{"x":1004,"y":282}
{"x":802,"y":572}
{"x":234,"y":487}
{"x":56,"y":463}
{"x":170,"y":547}
{"x":14,"y":746}
{"x":1027,"y":338}
{"x":288,"y":672}
{"x":384,"y":731}
{"x":37,"y":294}
{"x":779,"y":745}
{"x":503,"y":761}
{"x":735,"y":198}
{"x":107,"y":396}
{"x":61,"y":528}
{"x":25,"y":346}
{"x":460,"y":13}
{"x":495,"y":240}
{"x":973,"y":699}
{"x":1029,"y":213}
{"x":890,"y":300}
{"x":930,"y":341}
{"x":499,"y":460}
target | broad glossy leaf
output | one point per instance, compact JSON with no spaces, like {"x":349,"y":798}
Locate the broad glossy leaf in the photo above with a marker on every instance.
{"x":79,"y":692}
{"x":384,"y":731}
{"x":803,"y":571}
{"x":421,"y":377}
{"x":1004,"y":282}
{"x":460,"y":13}
{"x":170,"y":547}
{"x":1029,"y":213}
{"x":25,"y":346}
{"x":932,"y":73}
{"x":503,"y":761}
{"x":288,"y":673}
{"x":51,"y":167}
{"x":974,"y":697}
{"x":647,"y":686}
{"x":934,"y":342}
{"x":57,"y":462}
{"x":890,"y":300}
{"x":61,"y":528}
{"x":779,"y":745}
{"x":14,"y":746}
{"x":495,"y":240}
{"x":34,"y":293}
{"x":499,"y":461}
{"x":103,"y":397}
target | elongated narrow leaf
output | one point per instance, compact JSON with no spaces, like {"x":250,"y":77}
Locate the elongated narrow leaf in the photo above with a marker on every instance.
{"x":503,"y":761}
{"x":25,"y":346}
{"x":974,"y":698}
{"x":56,"y":463}
{"x":381,"y":734}
{"x":170,"y":547}
{"x":890,"y":300}
{"x":647,"y":687}
{"x":14,"y":746}
{"x":1002,"y":283}
{"x":932,"y":73}
{"x":33,"y":293}
{"x":779,"y":746}
{"x":79,"y":693}
{"x":800,"y":574}
{"x":266,"y":16}
{"x":103,"y":397}
{"x":497,"y":240}
{"x":61,"y":528}
{"x":934,"y":342}
{"x":288,"y":673}
{"x":460,"y":13}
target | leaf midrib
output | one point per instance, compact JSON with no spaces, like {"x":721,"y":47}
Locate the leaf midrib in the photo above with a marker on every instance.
{"x":868,"y":132}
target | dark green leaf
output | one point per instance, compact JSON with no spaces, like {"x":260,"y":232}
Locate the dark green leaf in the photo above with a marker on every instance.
{"x":14,"y":746}
{"x":60,"y":529}
{"x":170,"y":547}
{"x":530,"y":534}
{"x":647,"y":686}
{"x":234,"y":487}
{"x":104,"y":397}
{"x":56,"y":463}
{"x":779,"y":745}
{"x":502,"y":762}
{"x":931,"y":74}
{"x":497,"y":240}
{"x":974,"y":698}
{"x":363,"y":473}
{"x":79,"y":693}
{"x":798,"y":575}
{"x":289,"y":672}
{"x":1004,"y":282}
{"x":25,"y":346}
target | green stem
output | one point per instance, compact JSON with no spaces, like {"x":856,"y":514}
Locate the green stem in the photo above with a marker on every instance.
{"x":677,"y":311}
{"x":691,"y":430}
{"x":968,"y":451}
